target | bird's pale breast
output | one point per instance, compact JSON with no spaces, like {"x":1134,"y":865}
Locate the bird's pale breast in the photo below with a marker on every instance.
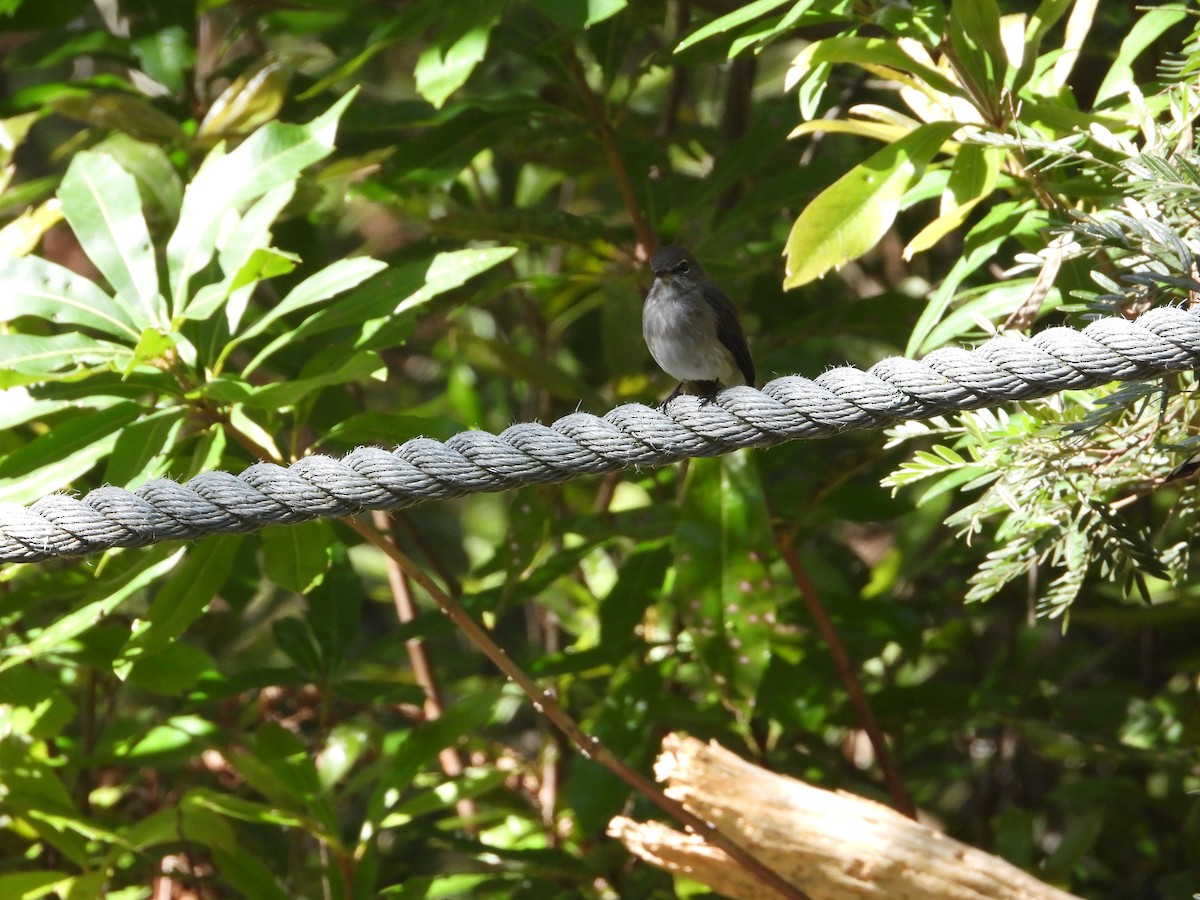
{"x":681,"y":331}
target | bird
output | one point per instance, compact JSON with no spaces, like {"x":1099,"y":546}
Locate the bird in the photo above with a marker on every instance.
{"x":691,"y":327}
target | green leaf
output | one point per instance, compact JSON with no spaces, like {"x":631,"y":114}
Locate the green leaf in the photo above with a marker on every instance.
{"x":329,"y":282}
{"x":246,"y":257}
{"x":157,"y":179}
{"x":447,"y":271}
{"x":55,"y":459}
{"x":32,"y":885}
{"x":142,"y":450}
{"x":747,"y":13}
{"x":246,"y":810}
{"x":1146,"y":30}
{"x":101,"y":202}
{"x":100,"y":602}
{"x":972,"y":178}
{"x":182,"y":599}
{"x":125,"y":112}
{"x":990,"y":303}
{"x":447,"y":63}
{"x":1003,"y":222}
{"x":31,"y":286}
{"x":296,"y":557}
{"x":295,"y":639}
{"x":168,"y":56}
{"x":850,"y":216}
{"x":344,"y":747}
{"x":26,"y":358}
{"x":251,"y":100}
{"x":272,"y":156}
{"x":722,"y":585}
{"x":334,"y":599}
{"x":247,"y":873}
{"x":866,"y":52}
{"x":974,"y":29}
{"x":413,"y":749}
{"x":286,"y":394}
{"x":383,"y":429}
{"x":599,"y":10}
{"x":389,"y":321}
{"x":169,"y":671}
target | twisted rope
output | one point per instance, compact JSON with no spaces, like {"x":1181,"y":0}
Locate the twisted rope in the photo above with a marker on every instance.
{"x":1005,"y":368}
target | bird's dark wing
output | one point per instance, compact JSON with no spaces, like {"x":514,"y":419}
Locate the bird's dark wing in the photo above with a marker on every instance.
{"x":729,"y":331}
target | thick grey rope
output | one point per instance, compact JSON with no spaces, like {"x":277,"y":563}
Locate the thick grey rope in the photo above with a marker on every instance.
{"x":1005,"y":368}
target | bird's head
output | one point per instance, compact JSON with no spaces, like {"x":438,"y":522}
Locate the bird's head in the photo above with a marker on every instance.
{"x":672,"y":261}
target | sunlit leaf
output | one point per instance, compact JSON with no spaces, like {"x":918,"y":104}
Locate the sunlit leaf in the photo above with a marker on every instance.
{"x":273,"y":155}
{"x":101,"y":202}
{"x":250,"y":101}
{"x":449,"y":61}
{"x":850,"y":216}
{"x":31,"y":286}
{"x":972,"y":178}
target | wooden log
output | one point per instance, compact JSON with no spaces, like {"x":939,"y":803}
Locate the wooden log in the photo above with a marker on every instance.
{"x":831,"y":845}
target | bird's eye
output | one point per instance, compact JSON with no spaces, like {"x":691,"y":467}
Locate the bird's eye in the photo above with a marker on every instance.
{"x":683,"y":267}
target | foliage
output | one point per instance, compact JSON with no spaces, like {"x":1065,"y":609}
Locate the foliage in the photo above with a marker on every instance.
{"x":235,"y":233}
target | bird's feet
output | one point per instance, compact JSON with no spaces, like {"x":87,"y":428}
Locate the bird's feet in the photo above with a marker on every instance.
{"x":707,"y":390}
{"x":675,"y":393}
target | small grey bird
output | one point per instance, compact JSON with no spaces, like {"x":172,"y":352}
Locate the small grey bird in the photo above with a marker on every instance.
{"x":692,"y":328}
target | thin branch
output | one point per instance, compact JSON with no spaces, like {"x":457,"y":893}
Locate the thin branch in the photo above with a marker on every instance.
{"x":546,"y":704}
{"x":647,"y":242}
{"x":418,"y":657}
{"x":841,"y":660}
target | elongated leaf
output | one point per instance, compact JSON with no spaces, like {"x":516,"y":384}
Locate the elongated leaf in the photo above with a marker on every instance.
{"x":972,"y":178}
{"x":22,"y":235}
{"x":102,"y":601}
{"x":722,"y":584}
{"x":296,"y":557}
{"x":32,"y":286}
{"x":974,"y":29}
{"x":376,"y":301}
{"x":1145,"y":31}
{"x":27,"y":358}
{"x":867,"y":52}
{"x":1002,"y":222}
{"x":17,"y":407}
{"x":101,"y":202}
{"x":447,"y":272}
{"x":285,"y":394}
{"x":251,"y":235}
{"x":273,"y":155}
{"x":142,"y":449}
{"x":126,"y":112}
{"x":183,"y":598}
{"x":415,"y":748}
{"x":330,"y":281}
{"x":448,"y":62}
{"x":747,"y":13}
{"x":149,"y":164}
{"x":989,"y":305}
{"x":852,"y":214}
{"x":251,"y":100}
{"x":52,"y":461}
